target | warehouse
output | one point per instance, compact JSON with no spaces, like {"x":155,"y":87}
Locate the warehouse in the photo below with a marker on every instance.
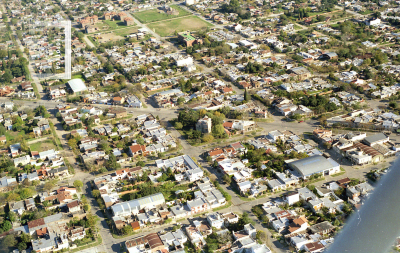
{"x":314,"y":165}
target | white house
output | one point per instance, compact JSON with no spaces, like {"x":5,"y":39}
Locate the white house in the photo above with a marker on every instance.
{"x":194,"y":174}
{"x":215,"y":220}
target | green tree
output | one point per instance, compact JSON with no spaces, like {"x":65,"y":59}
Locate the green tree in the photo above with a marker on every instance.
{"x":178,"y":125}
{"x":218,"y":130}
{"x":6,"y":226}
{"x":227,"y":179}
{"x":78,"y":185}
{"x":246,"y":96}
{"x":208,"y":138}
{"x":126,"y":230}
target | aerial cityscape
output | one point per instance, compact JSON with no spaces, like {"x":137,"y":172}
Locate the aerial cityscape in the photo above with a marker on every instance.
{"x":240,"y":126}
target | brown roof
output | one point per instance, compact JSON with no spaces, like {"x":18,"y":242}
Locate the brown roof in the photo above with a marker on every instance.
{"x":215,"y":152}
{"x":345,"y":180}
{"x":154,"y":240}
{"x":314,"y":246}
{"x":41,"y":232}
{"x":73,"y":204}
{"x":228,"y":124}
{"x":137,"y":147}
{"x":36,"y":223}
{"x":135,"y":225}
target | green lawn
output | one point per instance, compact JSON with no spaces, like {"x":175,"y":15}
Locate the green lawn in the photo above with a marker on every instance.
{"x":127,"y":31}
{"x":11,"y":135}
{"x":154,"y":15}
{"x":42,"y":146}
{"x":115,"y":24}
{"x":190,"y":23}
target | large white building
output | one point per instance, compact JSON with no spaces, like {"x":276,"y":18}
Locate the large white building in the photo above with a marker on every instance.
{"x":133,"y":206}
{"x":314,"y":165}
{"x":182,"y":62}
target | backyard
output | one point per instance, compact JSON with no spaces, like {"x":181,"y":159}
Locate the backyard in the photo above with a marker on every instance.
{"x":154,"y":15}
{"x":42,"y":146}
{"x":168,"y":28}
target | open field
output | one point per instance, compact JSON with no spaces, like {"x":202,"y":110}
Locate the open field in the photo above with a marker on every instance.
{"x":158,"y":15}
{"x":127,"y":31}
{"x":168,"y":28}
{"x":42,"y":146}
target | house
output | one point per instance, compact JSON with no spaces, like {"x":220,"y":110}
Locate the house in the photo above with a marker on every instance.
{"x":215,"y":220}
{"x":298,"y":225}
{"x":118,"y":100}
{"x":194,"y":174}
{"x":322,"y":228}
{"x":77,"y":233}
{"x":136,"y":150}
{"x":314,"y":247}
{"x":17,"y":207}
{"x":6,"y":183}
{"x":174,"y":239}
{"x":292,"y":198}
{"x":58,"y":172}
{"x":15,"y":149}
{"x":198,"y":205}
{"x":73,"y":206}
{"x":147,"y":244}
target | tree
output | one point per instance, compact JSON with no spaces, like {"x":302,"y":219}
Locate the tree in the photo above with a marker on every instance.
{"x":72,"y":143}
{"x":48,"y":186}
{"x":26,"y":193}
{"x":6,"y":226}
{"x":140,"y":163}
{"x":227,"y":179}
{"x":218,"y":130}
{"x":178,"y":125}
{"x":126,"y":230}
{"x":78,"y":184}
{"x":26,"y":238}
{"x":87,"y":207}
{"x":246,"y":96}
{"x":245,"y":219}
{"x":7,"y":242}
{"x":21,"y":246}
{"x":208,"y":138}
{"x":96,"y":193}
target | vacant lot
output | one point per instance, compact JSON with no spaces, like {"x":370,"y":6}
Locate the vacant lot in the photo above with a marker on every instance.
{"x":167,"y":28}
{"x":108,"y":36}
{"x":42,"y":146}
{"x":127,"y":31}
{"x":158,"y":15}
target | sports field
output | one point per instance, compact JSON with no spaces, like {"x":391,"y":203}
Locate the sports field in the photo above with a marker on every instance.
{"x":154,"y":15}
{"x":168,"y":28}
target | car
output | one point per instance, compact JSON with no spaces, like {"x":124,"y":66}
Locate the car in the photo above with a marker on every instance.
{"x":301,"y":121}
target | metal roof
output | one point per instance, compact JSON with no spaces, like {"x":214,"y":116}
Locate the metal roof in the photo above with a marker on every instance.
{"x":77,"y":85}
{"x":313,"y":164}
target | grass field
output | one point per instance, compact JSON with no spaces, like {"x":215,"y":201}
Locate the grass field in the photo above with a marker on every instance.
{"x":168,"y":28}
{"x":42,"y":146}
{"x":127,"y":31}
{"x":158,"y":15}
{"x":115,"y":24}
